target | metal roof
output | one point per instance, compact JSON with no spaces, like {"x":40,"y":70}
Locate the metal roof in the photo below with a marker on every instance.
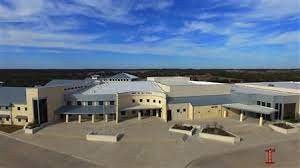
{"x":64,"y":82}
{"x":122,"y":87}
{"x":201,"y":100}
{"x":251,"y":108}
{"x":87,"y":109}
{"x":123,"y":76}
{"x":10,"y":95}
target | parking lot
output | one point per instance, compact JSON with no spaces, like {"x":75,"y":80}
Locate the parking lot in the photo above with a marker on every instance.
{"x":148,"y":143}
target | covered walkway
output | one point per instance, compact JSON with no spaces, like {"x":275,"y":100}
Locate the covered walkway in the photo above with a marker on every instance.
{"x":104,"y":111}
{"x":250,"y":108}
{"x":143,"y":110}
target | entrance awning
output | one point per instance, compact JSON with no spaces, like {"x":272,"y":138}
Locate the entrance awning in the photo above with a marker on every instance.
{"x":21,"y":117}
{"x":86,"y":110}
{"x":251,"y":108}
{"x":4,"y":116}
{"x":141,"y":107}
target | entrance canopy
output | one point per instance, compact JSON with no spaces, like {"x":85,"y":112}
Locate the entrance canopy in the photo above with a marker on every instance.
{"x":251,"y":108}
{"x":86,"y":110}
{"x":141,"y":107}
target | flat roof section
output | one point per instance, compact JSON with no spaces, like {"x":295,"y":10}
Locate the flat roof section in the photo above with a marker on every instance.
{"x":252,"y":90}
{"x":187,"y":83}
{"x":251,"y":108}
{"x":287,"y":85}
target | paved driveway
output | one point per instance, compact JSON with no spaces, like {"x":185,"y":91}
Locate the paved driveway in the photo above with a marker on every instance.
{"x":17,"y":154}
{"x":148,"y":143}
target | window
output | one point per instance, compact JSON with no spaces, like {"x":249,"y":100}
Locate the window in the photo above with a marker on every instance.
{"x":123,"y":113}
{"x":178,"y":110}
{"x":268,"y":104}
{"x":154,"y":101}
{"x":141,"y":100}
{"x":7,"y":119}
{"x":184,"y":110}
{"x":263,"y":103}
{"x":6,"y":107}
{"x":100,"y":103}
{"x":258,"y":102}
{"x":133,"y":100}
{"x":90,"y":103}
{"x":112,"y":102}
{"x":26,"y":120}
{"x":159,"y":101}
{"x":79,"y":103}
{"x":133,"y":112}
{"x":69,"y":103}
{"x":25,"y":108}
{"x":19,"y":108}
{"x":0,"y":118}
{"x":148,"y":100}
{"x":19,"y":120}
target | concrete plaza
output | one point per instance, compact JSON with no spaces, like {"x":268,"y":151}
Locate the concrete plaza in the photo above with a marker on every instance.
{"x":148,"y":143}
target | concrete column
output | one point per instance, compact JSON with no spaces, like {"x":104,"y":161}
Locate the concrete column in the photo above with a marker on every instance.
{"x":241,"y":117}
{"x":79,"y":118}
{"x":117,"y":118}
{"x":67,"y":118}
{"x":260,"y":120}
{"x":93,"y":118}
{"x":225,"y":114}
{"x":156,"y":113}
{"x":106,"y":117}
{"x":139,"y":115}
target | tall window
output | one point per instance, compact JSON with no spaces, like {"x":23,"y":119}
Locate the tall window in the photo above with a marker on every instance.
{"x":79,"y":103}
{"x":263,"y":103}
{"x":133,"y":100}
{"x":268,"y":104}
{"x":148,"y":100}
{"x":159,"y":101}
{"x":90,"y":103}
{"x":112,"y":102}
{"x":258,"y":102}
{"x":100,"y":103}
{"x":69,"y":103}
{"x":19,"y":108}
{"x":25,"y":108}
{"x":141,"y":100}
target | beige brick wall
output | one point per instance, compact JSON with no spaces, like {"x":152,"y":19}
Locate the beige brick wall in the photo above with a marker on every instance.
{"x":125,"y":101}
{"x":205,"y":112}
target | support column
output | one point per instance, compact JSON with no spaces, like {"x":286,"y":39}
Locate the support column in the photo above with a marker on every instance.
{"x":156,"y":113}
{"x":79,"y":118}
{"x":106,"y":117}
{"x":67,"y":118}
{"x":225,"y":114}
{"x":139,"y":115}
{"x":260,"y":120}
{"x":93,"y":118}
{"x":241,"y":117}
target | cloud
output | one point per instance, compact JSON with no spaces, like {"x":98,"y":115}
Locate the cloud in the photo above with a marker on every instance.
{"x":205,"y":16}
{"x":284,"y":38}
{"x":154,"y":5}
{"x":243,"y":24}
{"x":150,"y":38}
{"x":198,"y":26}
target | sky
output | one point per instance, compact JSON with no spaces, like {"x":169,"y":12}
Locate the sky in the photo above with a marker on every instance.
{"x":198,"y":34}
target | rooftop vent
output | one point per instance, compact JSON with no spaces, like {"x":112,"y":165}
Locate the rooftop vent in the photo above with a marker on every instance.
{"x":271,"y":85}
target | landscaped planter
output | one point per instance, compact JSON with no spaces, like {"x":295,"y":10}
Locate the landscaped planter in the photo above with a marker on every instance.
{"x":224,"y":136}
{"x":92,"y":136}
{"x":32,"y":128}
{"x":182,"y":129}
{"x":294,"y":123}
{"x":284,"y":128}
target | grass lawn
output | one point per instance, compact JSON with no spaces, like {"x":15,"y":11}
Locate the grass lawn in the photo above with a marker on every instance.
{"x":9,"y":128}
